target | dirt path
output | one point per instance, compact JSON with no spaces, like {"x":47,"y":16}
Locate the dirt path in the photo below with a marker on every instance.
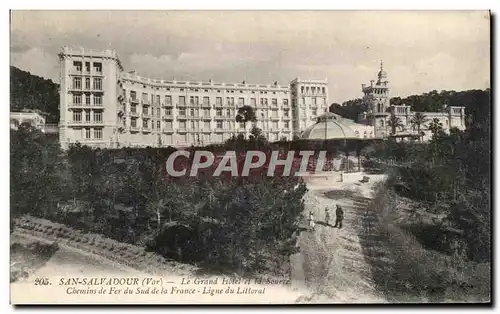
{"x":331,"y":264}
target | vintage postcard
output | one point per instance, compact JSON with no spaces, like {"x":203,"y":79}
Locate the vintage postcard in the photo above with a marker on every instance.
{"x":250,"y":157}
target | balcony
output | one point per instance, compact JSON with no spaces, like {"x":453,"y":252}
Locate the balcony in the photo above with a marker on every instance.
{"x":182,"y":130}
{"x":146,"y":115}
{"x":74,"y":122}
{"x":145,"y":102}
{"x":134,"y":128}
{"x":168,"y":130}
{"x":275,"y":118}
{"x":121,"y":110}
{"x":146,"y":130}
{"x":167,"y":105}
{"x":167,"y":117}
{"x":133,"y":100}
{"x":134,"y":114}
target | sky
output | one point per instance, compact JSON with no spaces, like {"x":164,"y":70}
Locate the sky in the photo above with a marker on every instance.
{"x":421,"y":50}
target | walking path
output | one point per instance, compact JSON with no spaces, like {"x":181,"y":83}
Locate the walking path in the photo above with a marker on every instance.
{"x":331,"y":264}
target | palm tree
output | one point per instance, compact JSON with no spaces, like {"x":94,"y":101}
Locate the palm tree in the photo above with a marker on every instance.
{"x":246,"y":114}
{"x":394,"y":122}
{"x":418,"y":120}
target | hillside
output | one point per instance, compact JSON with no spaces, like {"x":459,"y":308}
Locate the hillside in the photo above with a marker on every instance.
{"x":29,"y":91}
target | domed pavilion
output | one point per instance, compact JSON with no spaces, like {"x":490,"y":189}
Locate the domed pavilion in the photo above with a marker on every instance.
{"x":329,"y":126}
{"x":336,"y":134}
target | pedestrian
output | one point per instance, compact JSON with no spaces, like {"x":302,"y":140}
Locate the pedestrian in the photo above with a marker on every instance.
{"x":327,"y":216}
{"x":311,"y":221}
{"x":339,"y":213}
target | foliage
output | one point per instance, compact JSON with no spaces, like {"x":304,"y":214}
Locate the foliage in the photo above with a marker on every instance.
{"x":246,"y":114}
{"x":451,"y":175}
{"x":395,"y":123}
{"x":29,"y":91}
{"x":37,"y":184}
{"x":419,"y":120}
{"x":248,"y":224}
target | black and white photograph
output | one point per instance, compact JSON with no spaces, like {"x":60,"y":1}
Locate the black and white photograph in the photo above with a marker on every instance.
{"x":250,"y":157}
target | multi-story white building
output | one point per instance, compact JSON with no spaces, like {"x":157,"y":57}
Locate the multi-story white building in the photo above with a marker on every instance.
{"x":376,"y":95}
{"x":103,"y":106}
{"x":309,"y":101}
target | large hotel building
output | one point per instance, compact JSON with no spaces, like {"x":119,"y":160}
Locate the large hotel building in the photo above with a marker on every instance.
{"x":101,"y":105}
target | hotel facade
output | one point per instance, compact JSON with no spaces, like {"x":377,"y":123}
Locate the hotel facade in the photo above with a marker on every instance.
{"x":101,"y":105}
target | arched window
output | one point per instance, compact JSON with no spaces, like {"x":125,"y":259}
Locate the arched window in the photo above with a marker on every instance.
{"x":382,"y":123}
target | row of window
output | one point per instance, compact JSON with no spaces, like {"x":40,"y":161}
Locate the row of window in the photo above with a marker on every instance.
{"x":97,"y":83}
{"x":77,"y":116}
{"x":218,"y":90}
{"x":314,"y":90}
{"x":379,"y":91}
{"x":220,"y":124}
{"x":206,"y":112}
{"x":195,"y":100}
{"x":97,"y":133}
{"x":90,"y":99}
{"x":78,"y":65}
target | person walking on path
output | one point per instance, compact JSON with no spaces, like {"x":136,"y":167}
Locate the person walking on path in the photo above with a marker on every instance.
{"x":339,"y":213}
{"x":327,"y":216}
{"x":312,"y":225}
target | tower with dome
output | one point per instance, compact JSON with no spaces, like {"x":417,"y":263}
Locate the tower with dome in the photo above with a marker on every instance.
{"x":376,"y":96}
{"x":379,"y":112}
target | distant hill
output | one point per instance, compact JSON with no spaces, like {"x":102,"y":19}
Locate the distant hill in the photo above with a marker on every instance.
{"x":29,"y":91}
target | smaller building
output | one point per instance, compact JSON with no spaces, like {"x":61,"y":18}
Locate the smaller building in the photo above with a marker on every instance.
{"x":34,"y":118}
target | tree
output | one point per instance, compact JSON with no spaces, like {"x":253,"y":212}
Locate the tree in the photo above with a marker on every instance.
{"x":36,"y":185}
{"x":436,"y":127}
{"x":417,"y":121}
{"x":395,"y":123}
{"x":32,"y":92}
{"x":257,"y":140}
{"x":246,"y":114}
